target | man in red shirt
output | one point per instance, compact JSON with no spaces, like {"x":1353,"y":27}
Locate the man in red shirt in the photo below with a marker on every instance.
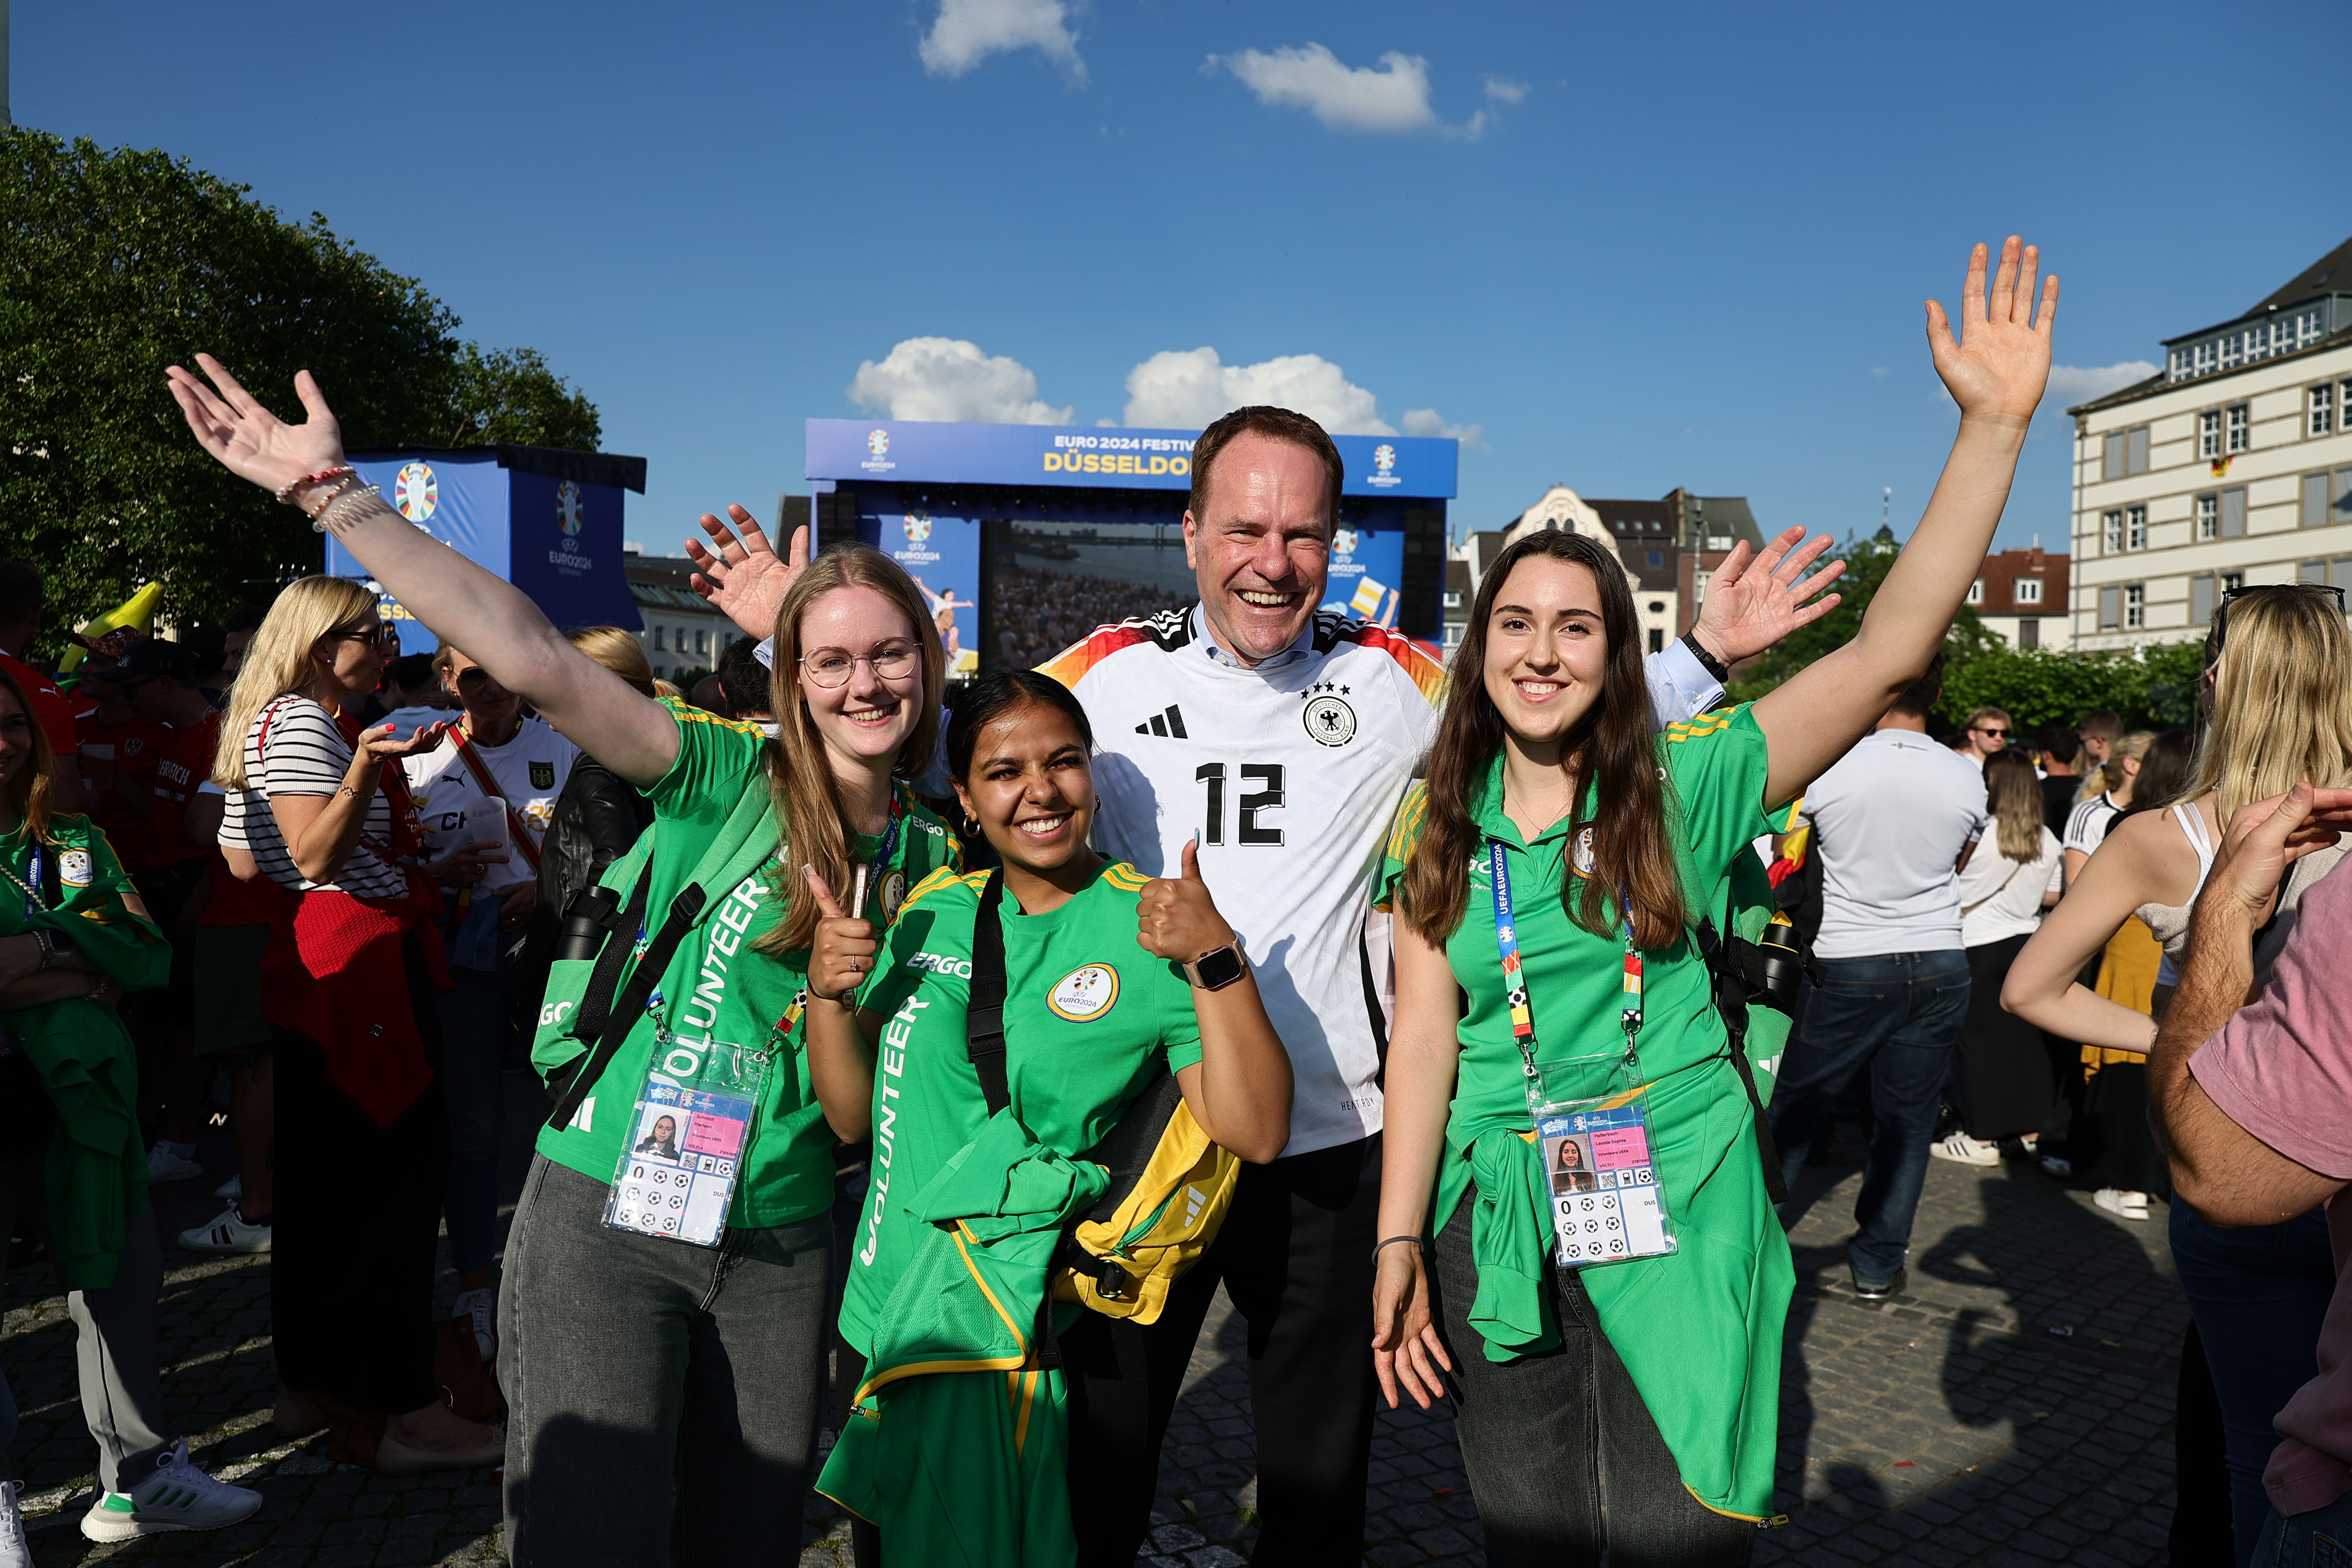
{"x":22,"y":600}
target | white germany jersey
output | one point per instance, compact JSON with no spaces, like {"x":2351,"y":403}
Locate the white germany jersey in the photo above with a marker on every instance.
{"x":1288,"y":774}
{"x":529,"y":771}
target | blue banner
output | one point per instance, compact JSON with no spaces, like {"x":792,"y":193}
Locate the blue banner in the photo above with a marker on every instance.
{"x":927,"y":452}
{"x":942,"y":555}
{"x":1367,"y":572}
{"x":458,"y":498}
{"x":566,"y":551}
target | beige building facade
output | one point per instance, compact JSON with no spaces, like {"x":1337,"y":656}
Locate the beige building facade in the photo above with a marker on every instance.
{"x":2231,"y":467}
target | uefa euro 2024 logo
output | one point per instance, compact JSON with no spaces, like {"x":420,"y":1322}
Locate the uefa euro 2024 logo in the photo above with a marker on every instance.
{"x":415,"y":492}
{"x":568,"y":510}
{"x":877,"y":442}
{"x":918,"y":527}
{"x":1384,"y":458}
{"x":1343,"y":541}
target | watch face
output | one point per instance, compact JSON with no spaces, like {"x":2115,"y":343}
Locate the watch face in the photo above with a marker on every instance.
{"x":1219,"y":969}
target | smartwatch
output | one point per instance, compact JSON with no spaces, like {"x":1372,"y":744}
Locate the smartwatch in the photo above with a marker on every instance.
{"x":1707,"y":662}
{"x":1216,"y":969}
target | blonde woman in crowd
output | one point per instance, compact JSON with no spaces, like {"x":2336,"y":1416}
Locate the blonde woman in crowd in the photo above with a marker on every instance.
{"x":2106,"y":793}
{"x":2279,"y":689}
{"x":2001,"y":1071}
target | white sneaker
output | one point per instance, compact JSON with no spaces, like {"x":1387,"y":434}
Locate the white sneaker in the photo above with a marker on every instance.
{"x":1963,"y":1150}
{"x":232,"y":1189}
{"x":481,"y":1306}
{"x":14,"y":1551}
{"x":2115,"y":1201}
{"x":178,"y":1496}
{"x":163,"y":1165}
{"x":229,"y":1232}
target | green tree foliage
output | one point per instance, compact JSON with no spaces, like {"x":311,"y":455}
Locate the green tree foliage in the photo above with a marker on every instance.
{"x":118,"y":263}
{"x":2156,"y":688}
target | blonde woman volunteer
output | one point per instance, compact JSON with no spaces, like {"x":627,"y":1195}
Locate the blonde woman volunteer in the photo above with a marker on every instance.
{"x":1552,"y":872}
{"x":665,"y":1394}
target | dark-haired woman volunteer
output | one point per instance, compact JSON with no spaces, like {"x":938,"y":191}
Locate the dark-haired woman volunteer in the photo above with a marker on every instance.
{"x":954,"y":1444}
{"x":1551,"y":870}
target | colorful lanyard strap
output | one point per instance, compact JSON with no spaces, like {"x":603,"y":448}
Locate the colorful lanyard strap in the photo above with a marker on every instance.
{"x":889,"y":847}
{"x":1515,"y":980}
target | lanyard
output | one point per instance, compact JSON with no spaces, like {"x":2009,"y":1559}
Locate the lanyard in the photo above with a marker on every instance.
{"x":1515,"y":982}
{"x":32,"y":899}
{"x":873,"y":878}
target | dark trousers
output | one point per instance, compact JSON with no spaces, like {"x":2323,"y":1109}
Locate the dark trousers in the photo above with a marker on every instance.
{"x":1296,"y":1256}
{"x":358,"y":1218}
{"x":1561,"y":1452}
{"x":1894,"y":1015}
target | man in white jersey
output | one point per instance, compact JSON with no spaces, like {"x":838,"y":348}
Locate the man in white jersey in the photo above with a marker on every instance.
{"x":1282,"y":738}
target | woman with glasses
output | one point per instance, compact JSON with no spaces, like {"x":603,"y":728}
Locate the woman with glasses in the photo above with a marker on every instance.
{"x":486,"y":792}
{"x":665,"y":1368}
{"x":2278,"y":698}
{"x":346,"y":981}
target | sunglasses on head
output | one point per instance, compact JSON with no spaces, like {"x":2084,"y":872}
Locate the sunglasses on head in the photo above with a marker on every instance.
{"x":2222,"y":616}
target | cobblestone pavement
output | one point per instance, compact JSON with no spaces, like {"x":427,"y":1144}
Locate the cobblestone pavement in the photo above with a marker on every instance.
{"x":1953,"y":1425}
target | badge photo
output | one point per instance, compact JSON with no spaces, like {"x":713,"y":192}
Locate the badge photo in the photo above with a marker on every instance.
{"x":1084,"y":993}
{"x":75,"y":869}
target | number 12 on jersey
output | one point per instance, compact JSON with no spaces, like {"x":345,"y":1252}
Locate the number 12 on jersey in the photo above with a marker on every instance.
{"x":1212,"y":776}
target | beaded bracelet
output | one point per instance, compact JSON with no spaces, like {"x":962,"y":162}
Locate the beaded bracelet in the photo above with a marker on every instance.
{"x":324,"y":521}
{"x":286,"y":492}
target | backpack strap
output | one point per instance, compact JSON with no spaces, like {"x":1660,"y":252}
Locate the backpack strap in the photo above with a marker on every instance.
{"x":985,"y":1015}
{"x":1731,"y":987}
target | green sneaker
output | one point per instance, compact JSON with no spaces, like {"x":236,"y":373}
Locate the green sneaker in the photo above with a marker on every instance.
{"x":177,"y":1495}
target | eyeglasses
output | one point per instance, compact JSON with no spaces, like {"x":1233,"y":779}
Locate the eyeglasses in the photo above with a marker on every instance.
{"x":2222,"y":616}
{"x":832,"y":666}
{"x":1992,"y":730}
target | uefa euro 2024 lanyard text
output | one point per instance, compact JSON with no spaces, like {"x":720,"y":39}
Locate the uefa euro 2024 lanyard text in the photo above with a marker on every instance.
{"x":685,"y":1147}
{"x":1607,"y":1205}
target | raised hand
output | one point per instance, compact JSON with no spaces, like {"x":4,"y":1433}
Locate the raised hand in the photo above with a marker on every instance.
{"x":841,"y":954}
{"x":379,"y":742}
{"x":246,"y":438}
{"x":1176,"y":918}
{"x":743,"y":580}
{"x":1750,"y":606}
{"x":2266,"y":837}
{"x":1999,"y":364}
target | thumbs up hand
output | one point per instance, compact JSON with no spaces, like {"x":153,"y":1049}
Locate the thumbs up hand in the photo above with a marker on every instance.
{"x":1176,"y":918}
{"x":841,"y":954}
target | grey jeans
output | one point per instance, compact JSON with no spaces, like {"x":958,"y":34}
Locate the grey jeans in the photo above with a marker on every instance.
{"x":663,"y":1398}
{"x":1562,"y":1454}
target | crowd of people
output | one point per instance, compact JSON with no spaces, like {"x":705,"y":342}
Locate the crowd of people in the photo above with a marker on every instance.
{"x":1038,"y":613}
{"x":1462,"y":1026}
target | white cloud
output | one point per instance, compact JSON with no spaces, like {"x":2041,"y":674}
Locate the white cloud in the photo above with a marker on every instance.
{"x":1395,"y":99}
{"x":1187,"y":389}
{"x":948,"y":378}
{"x":1428,"y":422}
{"x":2070,"y":385}
{"x":967,"y":31}
{"x":1503,"y":92}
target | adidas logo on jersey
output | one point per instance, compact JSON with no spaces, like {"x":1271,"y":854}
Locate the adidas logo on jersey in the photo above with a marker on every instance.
{"x":1169,"y":723}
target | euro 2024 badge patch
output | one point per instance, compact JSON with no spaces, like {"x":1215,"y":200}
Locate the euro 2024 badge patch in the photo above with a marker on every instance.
{"x":894,"y":893}
{"x":1580,"y":859}
{"x":1084,"y":993}
{"x":75,"y":869}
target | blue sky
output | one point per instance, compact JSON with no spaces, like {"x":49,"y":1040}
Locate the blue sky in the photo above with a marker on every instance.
{"x":1634,"y":247}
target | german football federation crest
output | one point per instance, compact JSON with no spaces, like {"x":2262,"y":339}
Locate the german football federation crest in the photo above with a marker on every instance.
{"x":1328,"y":718}
{"x":542,"y":775}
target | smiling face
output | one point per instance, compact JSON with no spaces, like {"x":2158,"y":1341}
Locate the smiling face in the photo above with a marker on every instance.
{"x":353,"y":656}
{"x":1030,"y":787}
{"x":1546,"y":653}
{"x":866,"y":717}
{"x":1263,"y":554}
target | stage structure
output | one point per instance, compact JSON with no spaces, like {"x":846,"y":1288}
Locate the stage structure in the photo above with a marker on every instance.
{"x":547,"y":520}
{"x":986,"y":516}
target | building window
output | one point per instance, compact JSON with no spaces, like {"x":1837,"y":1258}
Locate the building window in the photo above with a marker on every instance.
{"x":2124,"y":452}
{"x":2209,"y":516}
{"x":1453,"y":600}
{"x":2111,"y":531}
{"x":1657,"y":606}
{"x":2200,"y":599}
{"x":658,"y":647}
{"x":2027,"y":590}
{"x":2136,"y":527}
{"x":2313,"y":572}
{"x":2322,"y":420}
{"x":2233,"y":580}
{"x":1699,"y":581}
{"x":702,"y":642}
{"x":1976,"y":592}
{"x":2242,"y":427}
{"x":2111,"y":609}
{"x":2209,"y":433}
{"x":1657,"y":639}
{"x":2135,"y":606}
{"x":2315,"y":501}
{"x":2029,"y":631}
{"x":1655,"y":558}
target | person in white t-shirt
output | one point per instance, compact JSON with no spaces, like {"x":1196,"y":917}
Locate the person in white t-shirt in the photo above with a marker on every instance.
{"x":1892,"y":822}
{"x":484,"y":795}
{"x":2108,"y":794}
{"x":2001,"y":1072}
{"x":1281,"y":738}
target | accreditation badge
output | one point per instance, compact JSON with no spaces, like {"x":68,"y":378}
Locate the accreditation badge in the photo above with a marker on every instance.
{"x":688,"y":1133}
{"x":1607,"y":1205}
